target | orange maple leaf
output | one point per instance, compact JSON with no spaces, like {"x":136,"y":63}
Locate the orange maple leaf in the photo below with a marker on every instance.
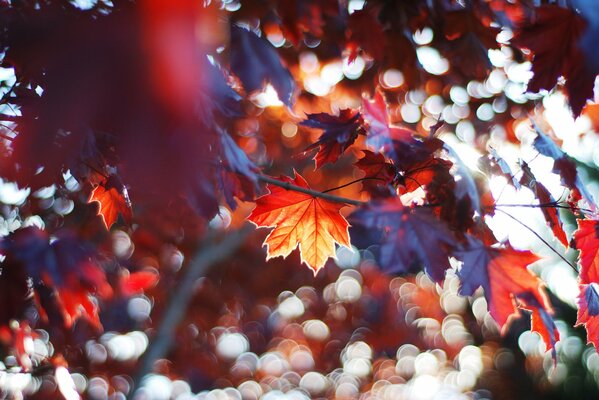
{"x":300,"y":219}
{"x":114,"y":200}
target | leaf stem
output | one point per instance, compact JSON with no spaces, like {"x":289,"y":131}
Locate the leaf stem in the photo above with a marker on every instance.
{"x":325,"y":196}
{"x":542,"y":240}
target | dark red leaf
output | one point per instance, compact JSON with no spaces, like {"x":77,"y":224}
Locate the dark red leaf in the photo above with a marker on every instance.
{"x":541,"y":321}
{"x":380,"y":174}
{"x":65,"y":265}
{"x":365,"y":32}
{"x":340,"y":132}
{"x":553,"y":35}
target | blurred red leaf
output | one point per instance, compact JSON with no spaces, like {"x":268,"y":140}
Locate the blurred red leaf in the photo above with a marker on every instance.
{"x":552,"y":35}
{"x":365,"y":32}
{"x":380,"y":174}
{"x":137,"y":282}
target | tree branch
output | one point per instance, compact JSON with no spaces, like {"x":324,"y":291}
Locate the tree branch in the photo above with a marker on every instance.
{"x":315,"y":193}
{"x":367,"y":178}
{"x":207,"y":256}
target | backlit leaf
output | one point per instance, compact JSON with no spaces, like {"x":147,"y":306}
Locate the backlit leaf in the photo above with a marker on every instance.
{"x":113,"y":198}
{"x":586,"y":239}
{"x":503,"y":275}
{"x":299,"y":219}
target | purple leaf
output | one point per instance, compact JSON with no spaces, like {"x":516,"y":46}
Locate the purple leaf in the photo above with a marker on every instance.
{"x":255,"y":61}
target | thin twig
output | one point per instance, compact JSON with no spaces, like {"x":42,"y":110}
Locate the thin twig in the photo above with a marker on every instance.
{"x":315,"y":193}
{"x":371,"y":178}
{"x":542,"y":240}
{"x":208,"y":255}
{"x":547,"y":205}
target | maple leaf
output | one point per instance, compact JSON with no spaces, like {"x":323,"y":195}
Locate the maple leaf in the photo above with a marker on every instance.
{"x":381,"y":132}
{"x":406,"y":237}
{"x":588,"y":312}
{"x":586,"y":239}
{"x":254,"y":60}
{"x":503,"y":275}
{"x":299,"y":219}
{"x":113,"y":198}
{"x":340,"y":132}
{"x":550,"y":213}
{"x":552,"y":36}
{"x":425,"y":173}
{"x":381,"y":175}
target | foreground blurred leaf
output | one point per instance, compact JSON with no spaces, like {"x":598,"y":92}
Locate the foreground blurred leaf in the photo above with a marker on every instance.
{"x":553,"y":35}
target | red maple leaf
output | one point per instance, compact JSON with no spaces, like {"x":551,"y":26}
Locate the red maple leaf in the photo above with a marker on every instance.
{"x":469,"y":39}
{"x":588,"y":312}
{"x":381,"y":132}
{"x":552,"y":36}
{"x":504,"y":277}
{"x":114,"y":200}
{"x":380,"y":176}
{"x":586,"y":239}
{"x":65,"y":265}
{"x":340,"y":132}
